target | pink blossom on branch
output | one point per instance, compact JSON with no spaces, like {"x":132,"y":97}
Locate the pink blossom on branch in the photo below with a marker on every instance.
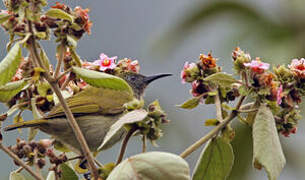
{"x":105,"y":62}
{"x":298,"y":67}
{"x":187,"y":66}
{"x":257,"y":66}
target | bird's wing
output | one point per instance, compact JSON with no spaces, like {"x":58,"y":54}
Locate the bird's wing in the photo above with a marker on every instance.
{"x":94,"y":100}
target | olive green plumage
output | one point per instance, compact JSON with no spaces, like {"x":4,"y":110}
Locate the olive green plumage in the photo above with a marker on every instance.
{"x":95,"y":110}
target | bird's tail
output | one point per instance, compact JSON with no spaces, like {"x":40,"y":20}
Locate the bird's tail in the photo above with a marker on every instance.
{"x":25,"y":124}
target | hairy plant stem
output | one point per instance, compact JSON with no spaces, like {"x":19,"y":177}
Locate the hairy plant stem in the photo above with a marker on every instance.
{"x":62,"y":52}
{"x":124,"y":145}
{"x":214,"y":131}
{"x":20,"y":162}
{"x":218,"y":107}
{"x":77,"y":131}
{"x":144,"y":144}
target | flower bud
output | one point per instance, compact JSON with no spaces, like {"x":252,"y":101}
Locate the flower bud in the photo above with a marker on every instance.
{"x":190,"y":72}
{"x":240,"y":57}
{"x":283,"y":74}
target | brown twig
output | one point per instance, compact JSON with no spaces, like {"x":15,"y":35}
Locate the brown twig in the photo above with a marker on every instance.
{"x":20,"y":162}
{"x":213,"y":132}
{"x":124,"y":145}
{"x":218,"y":106}
{"x":61,"y":57}
{"x":77,"y":131}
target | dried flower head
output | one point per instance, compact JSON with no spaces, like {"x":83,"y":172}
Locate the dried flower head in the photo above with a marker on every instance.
{"x":208,"y":61}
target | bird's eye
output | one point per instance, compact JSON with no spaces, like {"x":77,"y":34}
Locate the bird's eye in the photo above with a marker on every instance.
{"x":132,"y":78}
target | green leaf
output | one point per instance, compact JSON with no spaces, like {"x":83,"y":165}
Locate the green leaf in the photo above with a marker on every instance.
{"x":152,"y":166}
{"x":37,"y":115}
{"x":128,"y":118}
{"x":43,"y":88}
{"x":59,"y":14}
{"x":72,"y":41}
{"x":16,"y":176}
{"x":222,"y":79}
{"x":9,"y":90}
{"x":4,"y":17}
{"x":51,"y":175}
{"x":216,"y":160}
{"x":102,"y":80}
{"x":251,"y":116}
{"x":267,"y":149}
{"x":44,"y":58}
{"x":76,"y":57}
{"x":191,"y":103}
{"x":10,"y":64}
{"x":67,"y":173}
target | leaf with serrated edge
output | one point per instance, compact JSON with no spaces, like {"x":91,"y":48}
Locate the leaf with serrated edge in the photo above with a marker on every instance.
{"x":222,"y":79}
{"x":190,"y":104}
{"x":10,"y":64}
{"x":216,"y":160}
{"x":59,"y":14}
{"x":67,"y":173}
{"x":152,"y":166}
{"x":267,"y":149}
{"x":9,"y":90}
{"x":16,"y":176}
{"x":102,"y":80}
{"x":128,"y":118}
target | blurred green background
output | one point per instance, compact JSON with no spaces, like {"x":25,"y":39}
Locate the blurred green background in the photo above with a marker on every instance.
{"x":162,"y":35}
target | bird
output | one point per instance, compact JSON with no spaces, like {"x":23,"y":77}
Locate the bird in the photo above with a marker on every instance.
{"x":95,"y":110}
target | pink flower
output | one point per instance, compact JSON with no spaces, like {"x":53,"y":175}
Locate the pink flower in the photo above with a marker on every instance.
{"x":187,"y":66}
{"x":257,"y":66}
{"x":279,"y":95}
{"x":298,"y":67}
{"x":3,"y":12}
{"x":105,"y":62}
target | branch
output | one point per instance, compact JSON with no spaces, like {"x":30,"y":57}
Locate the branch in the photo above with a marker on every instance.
{"x":144,"y":144}
{"x":124,"y":145}
{"x":213,"y":132}
{"x":77,"y":131}
{"x":218,"y":107}
{"x":61,"y":57}
{"x":20,"y":162}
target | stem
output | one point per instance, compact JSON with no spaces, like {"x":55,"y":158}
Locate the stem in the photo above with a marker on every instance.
{"x":63,"y":74}
{"x":247,"y":110}
{"x":124,"y":145}
{"x":20,"y":162}
{"x":65,"y":84}
{"x":214,"y":131}
{"x":36,"y":162}
{"x":77,"y":131}
{"x":207,"y":137}
{"x":76,"y":157}
{"x":218,"y":107}
{"x":144,"y":144}
{"x":62,"y":53}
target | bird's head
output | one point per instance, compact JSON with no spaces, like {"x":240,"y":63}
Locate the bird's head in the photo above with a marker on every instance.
{"x":139,"y":82}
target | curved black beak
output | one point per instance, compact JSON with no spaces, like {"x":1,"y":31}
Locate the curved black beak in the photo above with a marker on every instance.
{"x":150,"y":79}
